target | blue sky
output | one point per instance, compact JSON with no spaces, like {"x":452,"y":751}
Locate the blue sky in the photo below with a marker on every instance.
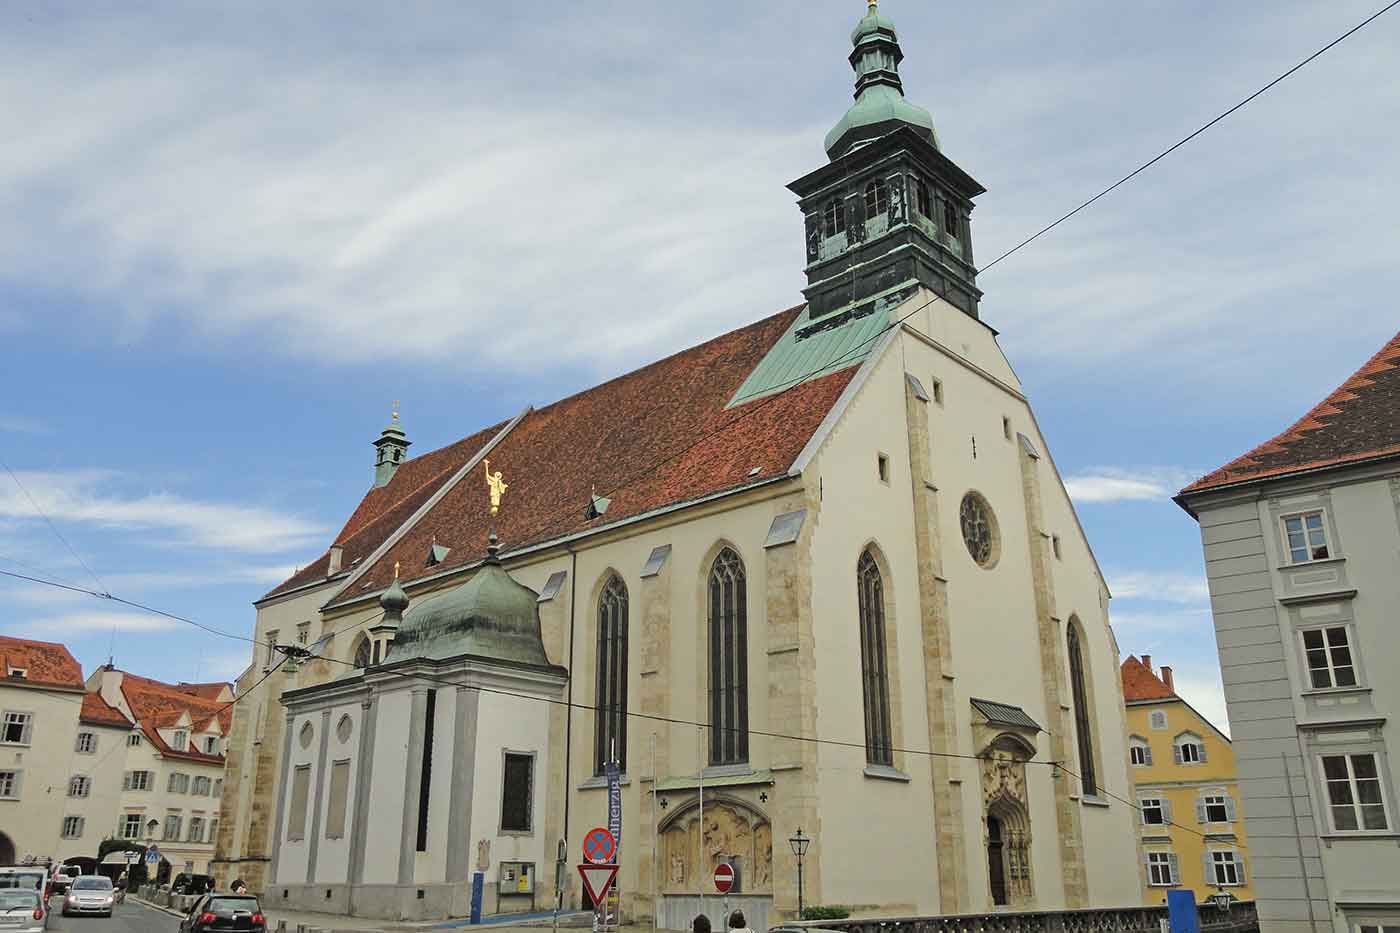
{"x":231,"y":236}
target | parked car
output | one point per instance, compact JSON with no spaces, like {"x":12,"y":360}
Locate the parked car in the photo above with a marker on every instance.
{"x":90,"y":894}
{"x":220,"y":912}
{"x":187,"y":883}
{"x":62,"y":877}
{"x":32,"y":877}
{"x":22,"y":911}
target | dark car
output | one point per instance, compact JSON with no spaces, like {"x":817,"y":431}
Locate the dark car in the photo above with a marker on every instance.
{"x":219,"y":912}
{"x":187,"y":883}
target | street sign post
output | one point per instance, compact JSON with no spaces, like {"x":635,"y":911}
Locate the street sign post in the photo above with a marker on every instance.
{"x":597,"y":881}
{"x":599,"y":846}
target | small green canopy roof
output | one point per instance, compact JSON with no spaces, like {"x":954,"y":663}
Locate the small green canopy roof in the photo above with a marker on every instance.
{"x":880,"y":106}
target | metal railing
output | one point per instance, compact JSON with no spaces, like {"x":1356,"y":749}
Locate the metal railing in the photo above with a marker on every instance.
{"x":1241,"y":917}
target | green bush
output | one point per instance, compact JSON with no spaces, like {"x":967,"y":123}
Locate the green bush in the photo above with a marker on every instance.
{"x":825,"y":913}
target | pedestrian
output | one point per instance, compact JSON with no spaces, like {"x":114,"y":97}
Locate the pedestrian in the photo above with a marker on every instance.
{"x":239,"y":886}
{"x":737,"y":924}
{"x":701,"y":924}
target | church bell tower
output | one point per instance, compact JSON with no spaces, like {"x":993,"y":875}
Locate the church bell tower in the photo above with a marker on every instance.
{"x":889,"y":212}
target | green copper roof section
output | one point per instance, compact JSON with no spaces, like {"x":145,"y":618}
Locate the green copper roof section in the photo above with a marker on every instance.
{"x":824,"y":350}
{"x":880,"y":105}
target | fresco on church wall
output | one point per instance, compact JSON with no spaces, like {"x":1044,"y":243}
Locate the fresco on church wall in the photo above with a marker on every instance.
{"x":733,"y":834}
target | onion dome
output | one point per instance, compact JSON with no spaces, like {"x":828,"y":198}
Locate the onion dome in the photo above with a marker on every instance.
{"x":880,"y":106}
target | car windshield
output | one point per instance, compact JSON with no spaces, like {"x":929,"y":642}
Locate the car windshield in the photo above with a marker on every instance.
{"x":18,"y":900}
{"x":92,"y":884}
{"x":227,"y":905}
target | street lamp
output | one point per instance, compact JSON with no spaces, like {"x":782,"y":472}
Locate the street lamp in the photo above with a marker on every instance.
{"x":799,"y":845}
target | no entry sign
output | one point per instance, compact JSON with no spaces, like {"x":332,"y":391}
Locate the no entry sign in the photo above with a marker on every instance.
{"x":724,"y":878}
{"x":599,"y":846}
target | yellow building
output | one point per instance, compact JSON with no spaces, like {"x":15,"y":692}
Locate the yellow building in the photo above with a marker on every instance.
{"x":1183,"y":768}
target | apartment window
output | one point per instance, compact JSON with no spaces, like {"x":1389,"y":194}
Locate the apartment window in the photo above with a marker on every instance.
{"x":516,"y":793}
{"x":340,"y":792}
{"x":1157,"y":719}
{"x":610,"y":719}
{"x":1305,"y":536}
{"x":15,"y":728}
{"x":137,"y":780}
{"x":729,"y":665}
{"x":271,"y":649}
{"x":882,"y":467}
{"x":1329,"y":658}
{"x":214,"y":830}
{"x":1156,"y":811}
{"x":1216,"y":808}
{"x":303,"y":633}
{"x":1162,"y":869}
{"x":1354,"y":793}
{"x":87,"y":743}
{"x":201,"y":787}
{"x":72,"y":827}
{"x":172,"y":784}
{"x":921,"y":197}
{"x":1225,"y":867}
{"x":180,"y":741}
{"x":172,"y":826}
{"x":133,"y":740}
{"x":79,"y":786}
{"x":218,"y":787}
{"x":834,"y":218}
{"x":9,"y":785}
{"x":1189,"y":749}
{"x":1139,"y":752}
{"x":938,"y":390}
{"x":130,"y":827}
{"x":196,"y":829}
{"x":877,"y":198}
{"x":1378,"y":927}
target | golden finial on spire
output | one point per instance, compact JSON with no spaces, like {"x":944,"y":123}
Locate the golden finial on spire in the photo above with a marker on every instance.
{"x":396,"y":570}
{"x":873,"y":4}
{"x":396,"y":412}
{"x":496,"y":486}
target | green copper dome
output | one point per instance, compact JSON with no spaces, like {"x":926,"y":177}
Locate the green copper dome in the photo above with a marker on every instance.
{"x":880,"y":106}
{"x":490,"y":616}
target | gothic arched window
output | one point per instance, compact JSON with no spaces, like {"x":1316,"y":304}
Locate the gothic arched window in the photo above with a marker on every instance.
{"x":877,"y":198}
{"x":362,"y":653}
{"x":610,"y":717}
{"x":729,"y":651}
{"x":1082,"y":726}
{"x":834,"y":217}
{"x":875,"y":678}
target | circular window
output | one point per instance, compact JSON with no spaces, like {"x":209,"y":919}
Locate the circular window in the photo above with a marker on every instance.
{"x":306,"y":734}
{"x":344,"y":728}
{"x":979,"y":530}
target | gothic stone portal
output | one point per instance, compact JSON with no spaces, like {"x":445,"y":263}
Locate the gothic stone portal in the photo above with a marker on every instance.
{"x":1007,"y":822}
{"x":734,"y":833}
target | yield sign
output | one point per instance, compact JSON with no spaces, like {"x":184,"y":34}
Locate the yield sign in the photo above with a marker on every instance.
{"x":597,"y":881}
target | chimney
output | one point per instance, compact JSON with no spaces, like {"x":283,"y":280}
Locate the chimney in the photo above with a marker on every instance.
{"x":1147,"y":662}
{"x":337,"y":555}
{"x":1167,"y":678}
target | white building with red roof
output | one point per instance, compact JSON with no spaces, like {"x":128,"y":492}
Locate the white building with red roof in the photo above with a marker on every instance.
{"x":1302,"y":552}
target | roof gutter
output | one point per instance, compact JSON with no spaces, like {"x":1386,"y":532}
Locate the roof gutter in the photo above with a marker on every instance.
{"x":1182,"y":497}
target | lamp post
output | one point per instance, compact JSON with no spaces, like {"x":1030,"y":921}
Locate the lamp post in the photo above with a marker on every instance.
{"x":799,"y":845}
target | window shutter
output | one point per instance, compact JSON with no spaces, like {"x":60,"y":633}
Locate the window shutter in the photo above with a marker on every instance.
{"x":126,"y":781}
{"x":1208,"y":867}
{"x":1201,"y":748}
{"x":1166,"y":811}
{"x":1176,"y":868}
{"x":1239,"y":867}
{"x":1142,"y":809}
{"x":1147,"y":755}
{"x":78,"y":742}
{"x":1176,"y":753}
{"x":1201,"y":815}
{"x":28,"y":728}
{"x":1229,"y":808}
{"x":1147,"y":868}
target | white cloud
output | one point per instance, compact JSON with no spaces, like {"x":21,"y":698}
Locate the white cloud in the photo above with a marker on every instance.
{"x":14,"y":424}
{"x":90,"y":497}
{"x":1183,"y":588}
{"x":1199,"y":685}
{"x":1135,"y":624}
{"x":79,"y":623}
{"x":1111,"y":484}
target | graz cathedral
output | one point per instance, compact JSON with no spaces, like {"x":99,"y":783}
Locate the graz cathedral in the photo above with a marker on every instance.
{"x":822,"y":567}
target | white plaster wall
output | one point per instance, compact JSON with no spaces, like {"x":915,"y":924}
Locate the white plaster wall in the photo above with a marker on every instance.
{"x":507,"y":723}
{"x":101,"y":807}
{"x":386,"y":801}
{"x":333,"y":855}
{"x":34,"y":821}
{"x":431,"y":866}
{"x":292,"y":861}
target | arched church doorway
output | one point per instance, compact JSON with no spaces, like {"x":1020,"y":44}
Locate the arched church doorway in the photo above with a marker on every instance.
{"x":7,"y":850}
{"x":996,"y":861}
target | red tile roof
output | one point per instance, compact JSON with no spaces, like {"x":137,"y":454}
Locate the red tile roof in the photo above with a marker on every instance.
{"x":1359,"y":421}
{"x":210,"y":692}
{"x":45,"y":663}
{"x":100,"y":713}
{"x":385,"y":508}
{"x":1140,"y":683}
{"x":655,"y":437}
{"x":160,"y":705}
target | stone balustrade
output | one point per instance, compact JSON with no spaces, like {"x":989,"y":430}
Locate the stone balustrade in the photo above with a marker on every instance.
{"x":1240,"y":918}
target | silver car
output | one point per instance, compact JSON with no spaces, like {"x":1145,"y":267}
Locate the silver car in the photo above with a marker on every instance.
{"x":90,"y":894}
{"x":22,"y":911}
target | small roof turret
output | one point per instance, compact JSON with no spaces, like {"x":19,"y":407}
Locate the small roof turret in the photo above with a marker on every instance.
{"x":880,"y":106}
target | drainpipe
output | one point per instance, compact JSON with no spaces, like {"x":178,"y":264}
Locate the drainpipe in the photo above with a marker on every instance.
{"x":569,"y":710}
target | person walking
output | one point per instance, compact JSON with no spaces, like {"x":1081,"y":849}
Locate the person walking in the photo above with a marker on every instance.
{"x":737,"y":924}
{"x":701,"y":924}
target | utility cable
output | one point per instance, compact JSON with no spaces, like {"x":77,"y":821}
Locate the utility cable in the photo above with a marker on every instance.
{"x":54,"y":528}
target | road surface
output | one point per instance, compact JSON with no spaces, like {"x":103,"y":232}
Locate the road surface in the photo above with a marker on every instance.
{"x":126,"y":918}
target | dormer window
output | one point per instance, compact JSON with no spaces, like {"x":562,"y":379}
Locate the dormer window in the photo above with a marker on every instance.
{"x":19,"y":673}
{"x":877,"y":198}
{"x":922,"y":201}
{"x":180,"y":741}
{"x":834,"y":218}
{"x":211,"y":746}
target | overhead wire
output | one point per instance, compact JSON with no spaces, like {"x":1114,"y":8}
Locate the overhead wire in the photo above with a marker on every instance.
{"x":52,"y":527}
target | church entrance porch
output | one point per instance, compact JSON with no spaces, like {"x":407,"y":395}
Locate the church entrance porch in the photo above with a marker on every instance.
{"x":690,"y":845}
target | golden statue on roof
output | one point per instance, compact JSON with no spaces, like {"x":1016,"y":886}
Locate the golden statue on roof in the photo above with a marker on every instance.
{"x":496,"y":486}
